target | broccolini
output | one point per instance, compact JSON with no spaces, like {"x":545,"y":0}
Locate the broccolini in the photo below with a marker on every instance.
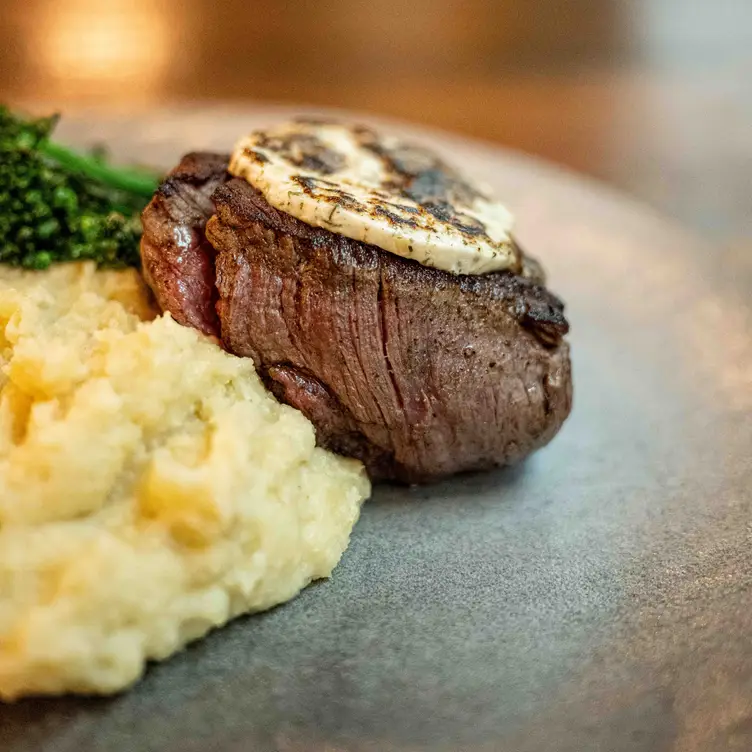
{"x":60,"y":205}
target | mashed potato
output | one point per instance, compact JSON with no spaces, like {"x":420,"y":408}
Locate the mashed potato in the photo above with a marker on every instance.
{"x":150,"y":488}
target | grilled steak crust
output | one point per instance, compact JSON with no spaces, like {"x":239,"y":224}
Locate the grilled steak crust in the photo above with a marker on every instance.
{"x":417,"y":372}
{"x":178,"y":263}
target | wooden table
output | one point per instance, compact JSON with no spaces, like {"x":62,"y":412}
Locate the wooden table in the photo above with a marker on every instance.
{"x":652,"y":96}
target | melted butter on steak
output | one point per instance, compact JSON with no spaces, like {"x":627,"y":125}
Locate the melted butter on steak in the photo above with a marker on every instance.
{"x":379,"y":190}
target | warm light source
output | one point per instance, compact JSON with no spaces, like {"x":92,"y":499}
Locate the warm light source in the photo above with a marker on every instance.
{"x":113,"y":49}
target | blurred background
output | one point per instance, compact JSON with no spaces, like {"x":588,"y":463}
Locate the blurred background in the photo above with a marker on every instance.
{"x":651,"y":96}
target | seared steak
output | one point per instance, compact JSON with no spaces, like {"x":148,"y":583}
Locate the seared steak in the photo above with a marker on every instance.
{"x":178,"y":263}
{"x":415,"y":371}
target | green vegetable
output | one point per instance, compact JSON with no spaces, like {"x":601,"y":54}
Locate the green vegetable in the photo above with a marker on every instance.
{"x":60,"y":205}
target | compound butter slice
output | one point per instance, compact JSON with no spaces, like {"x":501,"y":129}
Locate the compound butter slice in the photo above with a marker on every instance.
{"x":379,"y":190}
{"x":151,"y":489}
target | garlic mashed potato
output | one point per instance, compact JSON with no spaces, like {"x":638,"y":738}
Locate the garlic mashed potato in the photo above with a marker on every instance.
{"x":151,"y":489}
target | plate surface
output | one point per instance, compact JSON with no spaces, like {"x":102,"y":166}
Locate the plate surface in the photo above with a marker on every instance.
{"x":597,"y":598}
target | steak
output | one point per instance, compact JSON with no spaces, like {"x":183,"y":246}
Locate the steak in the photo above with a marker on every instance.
{"x":415,"y":371}
{"x":177,"y":261}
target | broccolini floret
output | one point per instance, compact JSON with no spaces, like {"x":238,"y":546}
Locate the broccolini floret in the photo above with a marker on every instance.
{"x":59,"y":205}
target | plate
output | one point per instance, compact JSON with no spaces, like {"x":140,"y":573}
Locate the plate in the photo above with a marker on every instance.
{"x":597,"y":597}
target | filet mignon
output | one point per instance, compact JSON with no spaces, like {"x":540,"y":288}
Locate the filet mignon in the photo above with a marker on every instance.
{"x":177,"y":261}
{"x":417,"y":372}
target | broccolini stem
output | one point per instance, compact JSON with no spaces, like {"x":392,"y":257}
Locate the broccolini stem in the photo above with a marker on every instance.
{"x":139,"y":182}
{"x":57,"y":205}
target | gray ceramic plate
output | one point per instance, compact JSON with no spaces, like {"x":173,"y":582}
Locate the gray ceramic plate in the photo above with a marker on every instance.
{"x":597,"y":598}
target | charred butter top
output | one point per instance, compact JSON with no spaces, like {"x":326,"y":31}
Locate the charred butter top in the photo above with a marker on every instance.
{"x":377,"y":189}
